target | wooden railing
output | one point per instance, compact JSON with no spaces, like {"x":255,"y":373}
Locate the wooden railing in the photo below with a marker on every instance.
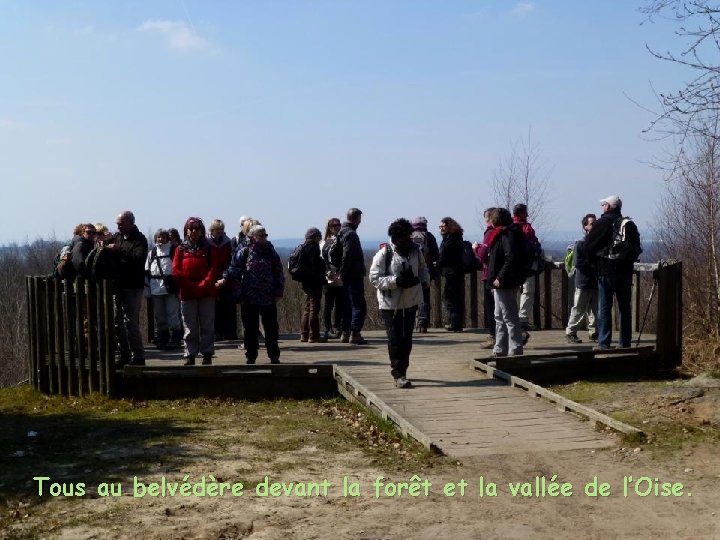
{"x":71,"y":339}
{"x":658,"y":284}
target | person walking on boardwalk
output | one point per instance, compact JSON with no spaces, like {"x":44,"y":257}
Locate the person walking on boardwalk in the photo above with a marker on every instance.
{"x":429,"y":248}
{"x":398,"y":272}
{"x":195,"y":272}
{"x":352,"y":273}
{"x":614,"y":271}
{"x":586,"y":288}
{"x":506,"y":273}
{"x":450,"y":265}
{"x":129,"y":248}
{"x":259,"y":279}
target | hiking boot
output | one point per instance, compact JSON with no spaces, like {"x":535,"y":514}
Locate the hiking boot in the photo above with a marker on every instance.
{"x":333,"y":333}
{"x":525,"y":337}
{"x":189,"y":360}
{"x":498,"y":355}
{"x":357,"y":339}
{"x":572,"y":338}
{"x":321,"y":339}
{"x":345,"y":337}
{"x":250,"y":361}
{"x":274,"y":360}
{"x":303,"y":339}
{"x":207,"y":359}
{"x":488,"y":343}
{"x":402,"y":382}
{"x":593,"y":337}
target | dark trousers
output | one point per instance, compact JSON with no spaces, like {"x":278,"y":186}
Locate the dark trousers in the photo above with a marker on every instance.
{"x":620,"y":286}
{"x":310,"y":321}
{"x":251,"y":315}
{"x":225,"y":315}
{"x":333,"y":299}
{"x":454,"y":297}
{"x":399,"y":325}
{"x":354,"y":305}
{"x":489,"y":310}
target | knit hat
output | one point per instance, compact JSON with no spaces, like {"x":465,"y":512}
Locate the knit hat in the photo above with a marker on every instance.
{"x":613,"y":200}
{"x":313,"y":232}
{"x":419,"y":223}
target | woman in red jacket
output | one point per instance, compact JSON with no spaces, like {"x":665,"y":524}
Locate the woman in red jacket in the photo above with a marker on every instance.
{"x":195,"y":273}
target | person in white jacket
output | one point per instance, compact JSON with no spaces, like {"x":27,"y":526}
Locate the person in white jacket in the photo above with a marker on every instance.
{"x":398,"y":272}
{"x":166,"y":306}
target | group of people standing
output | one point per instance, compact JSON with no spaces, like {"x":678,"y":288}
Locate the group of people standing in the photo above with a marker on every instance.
{"x":197,"y":282}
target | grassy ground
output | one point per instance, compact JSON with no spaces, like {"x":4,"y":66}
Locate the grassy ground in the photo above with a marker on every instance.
{"x":100,"y":440}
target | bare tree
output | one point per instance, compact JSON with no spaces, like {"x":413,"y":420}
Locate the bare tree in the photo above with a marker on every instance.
{"x":688,"y":226}
{"x":690,"y":110}
{"x":522,"y":177}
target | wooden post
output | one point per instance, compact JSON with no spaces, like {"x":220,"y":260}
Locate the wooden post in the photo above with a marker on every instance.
{"x":49,"y":329}
{"x":80,"y":335}
{"x":668,"y":341}
{"x":564,"y":297}
{"x":60,"y":338}
{"x":109,"y":337}
{"x":41,"y":341}
{"x":547,"y":278}
{"x":91,"y":333}
{"x":473,"y":299}
{"x":32,"y":331}
{"x":437,"y":304}
{"x":68,"y":323}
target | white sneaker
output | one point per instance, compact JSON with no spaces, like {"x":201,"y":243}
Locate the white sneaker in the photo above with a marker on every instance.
{"x":402,"y":382}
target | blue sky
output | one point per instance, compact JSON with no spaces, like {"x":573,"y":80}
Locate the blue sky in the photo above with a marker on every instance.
{"x":294,"y":111}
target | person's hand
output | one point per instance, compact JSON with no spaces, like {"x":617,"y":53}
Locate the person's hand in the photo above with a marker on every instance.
{"x":219,"y":283}
{"x":496,"y":283}
{"x":406,"y":279}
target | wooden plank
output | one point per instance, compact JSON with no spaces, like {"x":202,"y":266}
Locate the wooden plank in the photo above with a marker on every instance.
{"x":109,"y":337}
{"x":79,"y":317}
{"x":49,"y":293}
{"x":565,"y":403}
{"x":101,"y":344}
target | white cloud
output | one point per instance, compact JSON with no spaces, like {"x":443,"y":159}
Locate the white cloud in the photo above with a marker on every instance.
{"x":178,"y":35}
{"x":522,"y":9}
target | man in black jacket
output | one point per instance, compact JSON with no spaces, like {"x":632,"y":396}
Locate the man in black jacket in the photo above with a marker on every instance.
{"x":614,"y":276}
{"x":130,"y":248}
{"x":352,"y":273}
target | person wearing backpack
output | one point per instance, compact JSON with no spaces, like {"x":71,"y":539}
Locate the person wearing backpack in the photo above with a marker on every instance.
{"x":311,"y":268}
{"x":450,"y":265}
{"x":586,"y":288}
{"x":398,"y":272}
{"x":527,"y":294}
{"x":614,"y":275}
{"x":506,"y":274}
{"x":163,"y":292}
{"x":429,"y":248}
{"x":195,"y":272}
{"x":333,"y":307}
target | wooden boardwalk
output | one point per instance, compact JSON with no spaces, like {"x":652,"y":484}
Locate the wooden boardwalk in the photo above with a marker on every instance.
{"x":451,"y":406}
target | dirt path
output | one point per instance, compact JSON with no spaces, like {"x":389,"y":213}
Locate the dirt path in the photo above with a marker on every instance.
{"x":693,"y":515}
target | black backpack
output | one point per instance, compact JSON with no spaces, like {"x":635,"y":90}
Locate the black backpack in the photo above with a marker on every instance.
{"x":297,"y":266}
{"x":469,"y":260}
{"x":626,"y":241}
{"x":534,"y":258}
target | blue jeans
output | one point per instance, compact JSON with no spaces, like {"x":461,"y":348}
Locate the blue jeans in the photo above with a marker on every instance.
{"x":619,"y":285}
{"x":354,"y":305}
